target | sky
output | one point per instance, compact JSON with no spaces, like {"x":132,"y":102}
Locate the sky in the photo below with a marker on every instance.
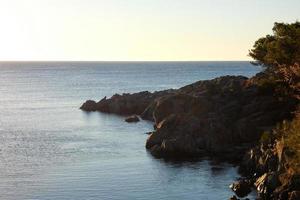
{"x":137,"y":30}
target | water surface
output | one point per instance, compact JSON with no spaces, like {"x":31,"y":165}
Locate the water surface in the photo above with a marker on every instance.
{"x":49,"y":149}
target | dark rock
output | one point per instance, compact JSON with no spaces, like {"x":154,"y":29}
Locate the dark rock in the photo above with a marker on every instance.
{"x":215,"y":117}
{"x":283,"y":195}
{"x":267,"y":183}
{"x":203,"y":113}
{"x":89,"y":105}
{"x":233,"y":198}
{"x":175,"y":104}
{"x":127,"y":104}
{"x":262,"y":159}
{"x":294,"y":195}
{"x":224,"y":118}
{"x":241,"y":188}
{"x":175,"y":136}
{"x":267,"y":163}
{"x":132,"y":118}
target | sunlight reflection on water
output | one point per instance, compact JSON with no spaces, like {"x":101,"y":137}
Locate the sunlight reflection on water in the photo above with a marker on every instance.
{"x":49,"y":149}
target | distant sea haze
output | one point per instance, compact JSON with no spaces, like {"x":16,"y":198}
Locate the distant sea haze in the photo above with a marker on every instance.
{"x":50,"y":149}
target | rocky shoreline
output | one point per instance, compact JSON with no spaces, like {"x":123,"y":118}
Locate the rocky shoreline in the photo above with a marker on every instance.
{"x":225,"y":118}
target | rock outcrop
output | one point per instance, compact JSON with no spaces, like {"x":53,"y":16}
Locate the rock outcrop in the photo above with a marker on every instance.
{"x":267,"y":166}
{"x":125,"y":104}
{"x":242,"y":187}
{"x":89,"y":105}
{"x":132,"y":118}
{"x":223,"y":117}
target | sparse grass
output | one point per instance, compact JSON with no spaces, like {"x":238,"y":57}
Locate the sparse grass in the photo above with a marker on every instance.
{"x":290,"y":134}
{"x":293,"y":142}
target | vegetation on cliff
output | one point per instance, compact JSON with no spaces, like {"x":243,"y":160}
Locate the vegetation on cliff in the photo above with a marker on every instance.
{"x":280,"y":54}
{"x":229,"y":115}
{"x":274,"y":164}
{"x":281,"y":48}
{"x":289,"y":133}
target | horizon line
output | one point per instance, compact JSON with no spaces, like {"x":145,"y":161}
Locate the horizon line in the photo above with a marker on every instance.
{"x":126,"y":60}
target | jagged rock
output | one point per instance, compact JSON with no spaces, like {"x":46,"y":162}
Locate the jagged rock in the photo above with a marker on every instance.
{"x":132,"y":118}
{"x":221,"y":117}
{"x":217,"y":86}
{"x":261,"y":159}
{"x":89,"y":105}
{"x":233,"y":198}
{"x":175,"y":136}
{"x":267,"y":183}
{"x":294,"y":195}
{"x":241,"y":188}
{"x":175,"y":104}
{"x":267,"y":163}
{"x":217,"y":116}
{"x":147,"y":114}
{"x":125,"y":104}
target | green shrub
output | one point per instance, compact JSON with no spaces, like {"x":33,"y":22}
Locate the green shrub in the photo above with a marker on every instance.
{"x":281,"y":48}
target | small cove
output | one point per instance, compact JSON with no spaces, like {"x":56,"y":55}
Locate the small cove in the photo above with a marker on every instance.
{"x":52,"y":150}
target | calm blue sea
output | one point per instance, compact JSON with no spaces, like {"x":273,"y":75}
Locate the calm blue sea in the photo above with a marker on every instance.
{"x":49,"y":149}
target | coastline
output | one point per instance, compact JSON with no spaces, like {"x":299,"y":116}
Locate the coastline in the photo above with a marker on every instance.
{"x":222,"y":118}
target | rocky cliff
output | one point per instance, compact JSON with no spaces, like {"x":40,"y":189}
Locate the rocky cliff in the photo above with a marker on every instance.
{"x":223,"y":117}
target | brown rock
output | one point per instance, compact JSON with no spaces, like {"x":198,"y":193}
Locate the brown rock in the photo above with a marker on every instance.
{"x":89,"y":105}
{"x":294,"y":195}
{"x":173,"y":104}
{"x":173,"y":138}
{"x":216,"y":117}
{"x":132,"y":118}
{"x":267,"y":183}
{"x":233,"y":198}
{"x":241,"y":188}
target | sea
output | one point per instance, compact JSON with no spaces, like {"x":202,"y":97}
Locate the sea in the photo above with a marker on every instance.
{"x":52,"y":150}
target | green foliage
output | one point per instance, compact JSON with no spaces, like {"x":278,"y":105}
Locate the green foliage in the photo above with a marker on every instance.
{"x":280,"y":55}
{"x":281,"y":48}
{"x":281,"y":81}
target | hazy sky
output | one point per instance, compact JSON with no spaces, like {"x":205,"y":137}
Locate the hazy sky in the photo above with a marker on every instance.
{"x":137,"y":29}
